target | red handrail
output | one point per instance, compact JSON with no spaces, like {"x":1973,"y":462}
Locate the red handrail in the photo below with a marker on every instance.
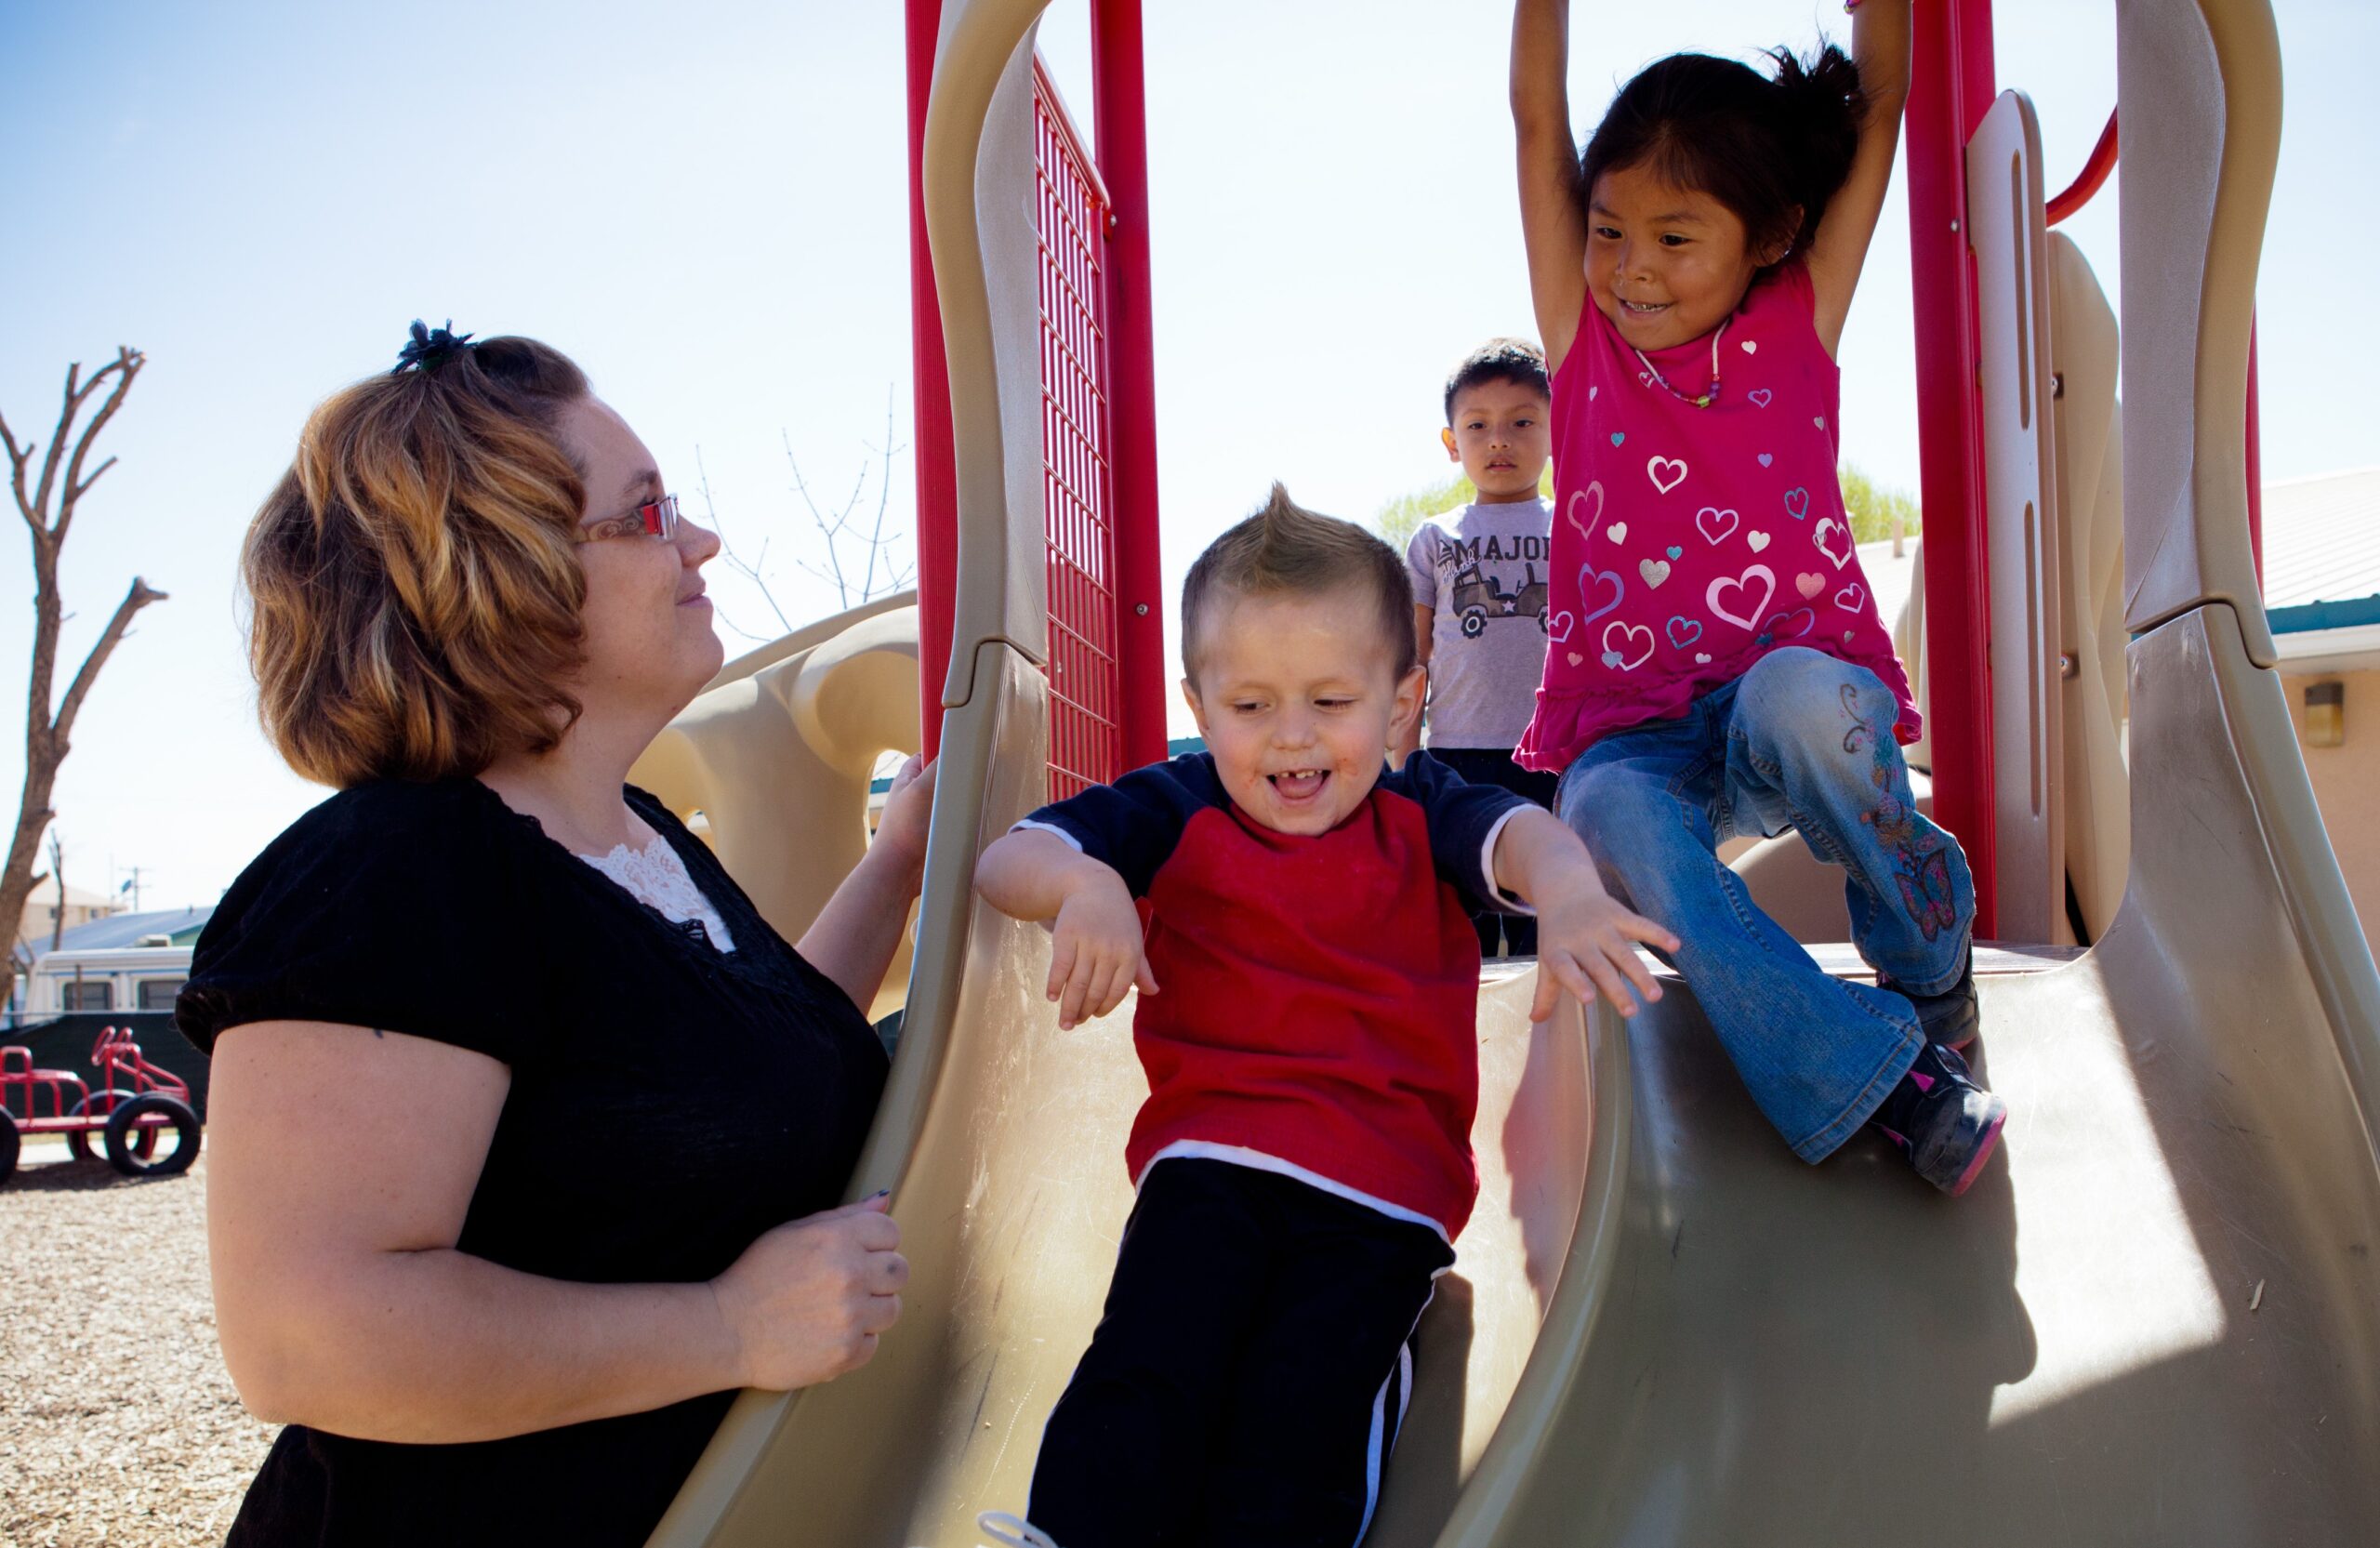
{"x":2096,"y":167}
{"x":1119,"y":111}
{"x":1950,"y":88}
{"x":929,"y":432}
{"x":1068,"y":132}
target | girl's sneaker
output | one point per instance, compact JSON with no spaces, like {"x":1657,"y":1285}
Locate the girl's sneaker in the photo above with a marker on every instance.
{"x":1950,"y":1018}
{"x":1942,"y":1120}
{"x":1013,"y":1531}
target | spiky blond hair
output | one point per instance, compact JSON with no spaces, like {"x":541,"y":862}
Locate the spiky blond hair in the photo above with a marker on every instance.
{"x":1286,"y":549}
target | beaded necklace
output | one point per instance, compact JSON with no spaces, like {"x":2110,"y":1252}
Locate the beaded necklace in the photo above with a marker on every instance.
{"x":1711,"y":395}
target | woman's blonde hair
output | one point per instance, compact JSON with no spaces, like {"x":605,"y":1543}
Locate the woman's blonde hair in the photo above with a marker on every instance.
{"x":414,"y":576}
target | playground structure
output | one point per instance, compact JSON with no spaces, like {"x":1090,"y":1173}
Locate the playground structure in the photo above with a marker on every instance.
{"x":2158,"y":1320}
{"x":132,"y":1118}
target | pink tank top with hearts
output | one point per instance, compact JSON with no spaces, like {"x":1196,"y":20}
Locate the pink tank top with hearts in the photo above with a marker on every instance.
{"x":1690,"y":542}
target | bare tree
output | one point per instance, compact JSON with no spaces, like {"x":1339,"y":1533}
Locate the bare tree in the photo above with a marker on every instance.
{"x":57,"y":869}
{"x":48,"y":502}
{"x":859,"y":577}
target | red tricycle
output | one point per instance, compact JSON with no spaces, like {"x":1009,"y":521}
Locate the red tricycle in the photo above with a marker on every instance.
{"x":132,"y":1118}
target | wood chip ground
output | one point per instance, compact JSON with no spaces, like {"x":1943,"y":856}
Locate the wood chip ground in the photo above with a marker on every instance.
{"x":118,"y":1426}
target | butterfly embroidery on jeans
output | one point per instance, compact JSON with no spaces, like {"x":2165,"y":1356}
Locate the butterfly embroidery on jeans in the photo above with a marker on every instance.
{"x":1926,"y":894}
{"x":1925,"y":889}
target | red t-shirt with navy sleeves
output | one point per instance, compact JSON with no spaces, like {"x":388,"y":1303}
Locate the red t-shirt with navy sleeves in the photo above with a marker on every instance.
{"x":1690,"y":542}
{"x":1318,"y":994}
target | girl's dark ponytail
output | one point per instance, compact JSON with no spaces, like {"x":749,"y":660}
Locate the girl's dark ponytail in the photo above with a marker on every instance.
{"x":1763,"y":148}
{"x":1820,"y":110}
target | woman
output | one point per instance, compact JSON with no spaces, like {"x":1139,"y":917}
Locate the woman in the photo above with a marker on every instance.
{"x":525,"y":1127}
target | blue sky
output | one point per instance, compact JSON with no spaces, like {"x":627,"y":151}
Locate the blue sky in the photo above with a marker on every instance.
{"x":704,"y":204}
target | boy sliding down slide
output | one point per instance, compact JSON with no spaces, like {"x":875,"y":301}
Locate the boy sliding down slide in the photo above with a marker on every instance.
{"x":1309,"y":986}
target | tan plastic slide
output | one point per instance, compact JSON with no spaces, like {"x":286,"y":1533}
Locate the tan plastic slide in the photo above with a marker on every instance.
{"x":2156,"y":1322}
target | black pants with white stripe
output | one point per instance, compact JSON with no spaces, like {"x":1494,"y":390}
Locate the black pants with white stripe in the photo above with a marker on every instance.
{"x":1502,"y":934}
{"x":1249,"y":1374}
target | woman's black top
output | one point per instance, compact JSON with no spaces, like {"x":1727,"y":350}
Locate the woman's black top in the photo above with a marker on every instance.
{"x":668,"y":1103}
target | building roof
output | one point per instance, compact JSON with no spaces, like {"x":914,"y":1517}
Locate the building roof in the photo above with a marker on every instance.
{"x":124,"y":930}
{"x":2322,"y":551}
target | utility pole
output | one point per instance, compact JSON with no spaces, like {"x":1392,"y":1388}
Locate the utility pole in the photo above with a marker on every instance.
{"x":133,"y":886}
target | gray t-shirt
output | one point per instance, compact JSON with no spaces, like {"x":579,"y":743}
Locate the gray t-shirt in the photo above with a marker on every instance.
{"x":1483,"y":571}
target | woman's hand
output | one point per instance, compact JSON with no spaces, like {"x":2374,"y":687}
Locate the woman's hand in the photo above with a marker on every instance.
{"x":807,"y":1301}
{"x":908,"y":806}
{"x":1099,"y":951}
{"x":343,"y":1163}
{"x":854,"y":937}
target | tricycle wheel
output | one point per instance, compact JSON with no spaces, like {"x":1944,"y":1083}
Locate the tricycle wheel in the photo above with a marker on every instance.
{"x":98,"y":1107}
{"x":141,"y":1120}
{"x":8,"y":1143}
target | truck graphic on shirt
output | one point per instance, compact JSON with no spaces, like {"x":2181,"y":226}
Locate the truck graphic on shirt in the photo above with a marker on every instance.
{"x":1476,"y":600}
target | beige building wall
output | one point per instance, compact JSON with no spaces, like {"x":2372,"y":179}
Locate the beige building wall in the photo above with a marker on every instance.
{"x":40,"y":920}
{"x":2346,"y":783}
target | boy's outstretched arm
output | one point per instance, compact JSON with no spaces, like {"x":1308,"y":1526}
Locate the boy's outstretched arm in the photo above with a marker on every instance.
{"x":1553,"y":221}
{"x":1097,"y":951}
{"x":1880,"y":48}
{"x":1585,"y":940}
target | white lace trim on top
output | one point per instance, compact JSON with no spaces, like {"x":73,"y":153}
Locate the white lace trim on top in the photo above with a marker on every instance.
{"x":656,"y":874}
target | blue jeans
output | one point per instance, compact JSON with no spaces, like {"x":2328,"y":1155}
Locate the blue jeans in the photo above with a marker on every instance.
{"x":1801,"y":741}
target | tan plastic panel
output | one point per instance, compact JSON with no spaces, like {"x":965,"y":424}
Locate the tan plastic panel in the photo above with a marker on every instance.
{"x":777,"y":763}
{"x":806,"y":636}
{"x":2200,"y":82}
{"x":2083,"y":353}
{"x":2007,"y":238}
{"x":979,"y":206}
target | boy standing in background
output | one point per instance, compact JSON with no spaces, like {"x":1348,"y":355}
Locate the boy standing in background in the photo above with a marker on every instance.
{"x":1480,"y":595}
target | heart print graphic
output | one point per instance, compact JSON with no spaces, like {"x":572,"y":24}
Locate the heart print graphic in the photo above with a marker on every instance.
{"x":1739,"y":589}
{"x":1833,"y":540}
{"x":1626,"y":647}
{"x":1714,"y":524}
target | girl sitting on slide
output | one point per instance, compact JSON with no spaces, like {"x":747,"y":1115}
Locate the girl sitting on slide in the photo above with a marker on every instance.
{"x":1717,"y":665}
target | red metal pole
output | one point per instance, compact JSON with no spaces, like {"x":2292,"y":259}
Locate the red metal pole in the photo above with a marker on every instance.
{"x":1120,"y":112}
{"x":1950,"y":88}
{"x":938,"y":523}
{"x":2255,"y":465}
{"x":2087,"y":182}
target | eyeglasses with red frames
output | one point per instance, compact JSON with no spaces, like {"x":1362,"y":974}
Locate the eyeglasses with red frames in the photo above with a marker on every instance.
{"x":654,"y":519}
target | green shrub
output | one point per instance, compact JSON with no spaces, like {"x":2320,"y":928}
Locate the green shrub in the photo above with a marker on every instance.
{"x":1397,"y":520}
{"x":1873,"y":507}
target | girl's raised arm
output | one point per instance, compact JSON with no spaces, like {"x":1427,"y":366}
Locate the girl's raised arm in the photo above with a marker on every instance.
{"x":1554,"y":220}
{"x":1880,"y":48}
